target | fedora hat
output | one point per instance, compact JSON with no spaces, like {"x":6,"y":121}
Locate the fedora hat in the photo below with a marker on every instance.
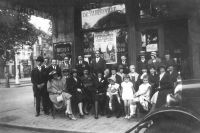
{"x":142,"y":53}
{"x":153,"y":53}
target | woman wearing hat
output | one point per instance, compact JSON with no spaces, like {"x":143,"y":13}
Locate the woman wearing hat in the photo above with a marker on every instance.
{"x":56,"y":88}
{"x":165,"y":87}
{"x":75,"y":88}
{"x":155,"y":61}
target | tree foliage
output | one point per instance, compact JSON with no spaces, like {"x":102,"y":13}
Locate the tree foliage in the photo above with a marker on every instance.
{"x":15,"y":30}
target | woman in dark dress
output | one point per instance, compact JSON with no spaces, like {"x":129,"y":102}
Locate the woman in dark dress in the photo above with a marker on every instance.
{"x":165,"y":87}
{"x":75,"y":88}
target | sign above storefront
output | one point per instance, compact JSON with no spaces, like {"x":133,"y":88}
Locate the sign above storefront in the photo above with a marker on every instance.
{"x":91,"y":18}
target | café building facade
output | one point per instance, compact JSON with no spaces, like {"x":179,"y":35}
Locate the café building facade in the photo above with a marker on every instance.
{"x":123,"y":27}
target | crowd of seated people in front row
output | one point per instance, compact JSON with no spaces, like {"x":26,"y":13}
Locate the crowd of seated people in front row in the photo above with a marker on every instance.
{"x":92,"y":88}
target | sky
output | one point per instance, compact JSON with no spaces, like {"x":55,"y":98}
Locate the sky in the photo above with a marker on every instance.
{"x":41,"y":23}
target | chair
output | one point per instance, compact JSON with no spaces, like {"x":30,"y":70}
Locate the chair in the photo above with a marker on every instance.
{"x":57,"y":109}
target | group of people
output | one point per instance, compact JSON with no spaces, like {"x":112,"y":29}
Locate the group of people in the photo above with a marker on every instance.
{"x":94,"y":88}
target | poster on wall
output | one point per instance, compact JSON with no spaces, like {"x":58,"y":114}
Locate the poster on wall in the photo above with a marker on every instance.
{"x":106,"y":42}
{"x":96,"y":17}
{"x":61,"y":50}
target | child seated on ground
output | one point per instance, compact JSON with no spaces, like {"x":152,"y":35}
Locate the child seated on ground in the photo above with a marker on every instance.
{"x":114,"y":102}
{"x":142,"y":96}
{"x":127,"y":95}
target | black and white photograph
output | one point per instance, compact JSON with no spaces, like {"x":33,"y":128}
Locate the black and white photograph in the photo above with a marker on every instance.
{"x":99,"y":66}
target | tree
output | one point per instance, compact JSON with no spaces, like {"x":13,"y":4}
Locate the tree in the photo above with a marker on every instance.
{"x":15,"y":30}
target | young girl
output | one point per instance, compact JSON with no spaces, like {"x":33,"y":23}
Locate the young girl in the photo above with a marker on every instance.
{"x":127,"y":94}
{"x":114,"y":102}
{"x":143,"y":94}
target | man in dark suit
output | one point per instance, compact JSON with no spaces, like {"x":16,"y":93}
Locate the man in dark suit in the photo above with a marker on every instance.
{"x":81,"y":65}
{"x":38,"y":79}
{"x":54,"y":66}
{"x":124,"y":63}
{"x":142,"y":62}
{"x":98,"y":63}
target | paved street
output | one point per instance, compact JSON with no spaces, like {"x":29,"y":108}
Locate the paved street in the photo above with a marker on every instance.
{"x":17,"y":109}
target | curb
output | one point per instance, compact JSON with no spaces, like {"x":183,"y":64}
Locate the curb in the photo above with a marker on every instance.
{"x":39,"y":129}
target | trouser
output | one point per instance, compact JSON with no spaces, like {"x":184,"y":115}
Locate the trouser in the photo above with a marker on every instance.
{"x":116,"y":106}
{"x":46,"y":103}
{"x":100,"y":103}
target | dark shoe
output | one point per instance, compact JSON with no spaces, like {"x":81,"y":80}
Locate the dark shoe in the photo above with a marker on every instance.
{"x":81,"y":116}
{"x":109,"y":115}
{"x":46,"y":113}
{"x":37,"y":114}
{"x":96,"y":117}
{"x":118,"y":115}
{"x":86,"y":113}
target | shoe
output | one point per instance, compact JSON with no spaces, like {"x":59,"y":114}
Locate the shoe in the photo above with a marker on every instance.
{"x":126,"y":117}
{"x":71,"y":116}
{"x":96,"y":117}
{"x":108,"y":116}
{"x":86,"y":113}
{"x":118,"y":116}
{"x":132,"y":116}
{"x":46,"y":113}
{"x":81,"y":116}
{"x":37,"y":114}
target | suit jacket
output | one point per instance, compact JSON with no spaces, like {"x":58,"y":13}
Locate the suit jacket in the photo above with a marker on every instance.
{"x":38,"y":77}
{"x":65,"y":66}
{"x":125,"y":66}
{"x":155,"y":64}
{"x":58,"y":70}
{"x":98,"y":66}
{"x":101,"y":86}
{"x":140,"y":66}
{"x":81,"y":67}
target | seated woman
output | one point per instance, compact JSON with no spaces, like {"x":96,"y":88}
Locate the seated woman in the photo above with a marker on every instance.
{"x":56,"y":86}
{"x":75,"y":88}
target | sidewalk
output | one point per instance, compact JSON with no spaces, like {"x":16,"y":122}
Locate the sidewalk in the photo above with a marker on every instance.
{"x":17,"y":110}
{"x":22,"y":82}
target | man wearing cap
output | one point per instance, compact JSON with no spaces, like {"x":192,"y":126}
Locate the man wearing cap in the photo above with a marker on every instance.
{"x":38,"y":79}
{"x":54,"y":66}
{"x":155,"y":61}
{"x":81,"y":65}
{"x":142,"y":62}
{"x":98,"y":63}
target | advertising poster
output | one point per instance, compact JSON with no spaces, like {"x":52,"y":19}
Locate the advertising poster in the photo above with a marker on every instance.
{"x":106,"y":42}
{"x":93,"y":18}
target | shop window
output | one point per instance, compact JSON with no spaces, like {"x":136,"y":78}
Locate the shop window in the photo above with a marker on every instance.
{"x":149,"y":40}
{"x":112,"y":44}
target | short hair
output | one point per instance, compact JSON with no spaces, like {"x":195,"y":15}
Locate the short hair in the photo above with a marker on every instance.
{"x":145,"y":77}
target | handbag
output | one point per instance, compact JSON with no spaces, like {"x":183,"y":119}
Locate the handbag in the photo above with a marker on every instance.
{"x":59,"y":98}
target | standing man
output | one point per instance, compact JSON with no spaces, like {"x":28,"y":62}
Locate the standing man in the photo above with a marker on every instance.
{"x":142,"y":63}
{"x":124,"y":63}
{"x":98,"y":63}
{"x":81,"y":65}
{"x":54,"y":66}
{"x":38,"y":79}
{"x":66,"y":64}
